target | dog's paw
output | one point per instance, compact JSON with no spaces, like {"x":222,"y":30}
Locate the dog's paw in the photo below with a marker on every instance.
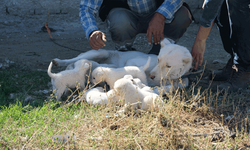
{"x":55,"y":62}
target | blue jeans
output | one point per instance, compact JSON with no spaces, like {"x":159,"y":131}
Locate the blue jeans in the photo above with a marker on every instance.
{"x":124,"y":25}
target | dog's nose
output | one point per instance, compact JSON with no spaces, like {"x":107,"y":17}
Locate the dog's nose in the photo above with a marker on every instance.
{"x":151,"y":76}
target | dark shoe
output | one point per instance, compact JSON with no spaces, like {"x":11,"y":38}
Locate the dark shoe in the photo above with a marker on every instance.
{"x":124,"y":48}
{"x":238,"y":80}
{"x":155,"y":49}
{"x":222,"y":74}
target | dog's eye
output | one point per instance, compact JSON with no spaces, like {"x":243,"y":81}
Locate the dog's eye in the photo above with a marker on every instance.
{"x":94,"y":78}
{"x":168,"y":66}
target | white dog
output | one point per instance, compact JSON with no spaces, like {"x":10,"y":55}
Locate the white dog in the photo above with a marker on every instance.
{"x":173,"y":62}
{"x":110,"y":75}
{"x":98,"y":96}
{"x":135,"y":96}
{"x":69,"y":78}
{"x":137,"y":82}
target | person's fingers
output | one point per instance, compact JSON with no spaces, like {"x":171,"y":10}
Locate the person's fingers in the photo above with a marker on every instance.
{"x":195,"y":64}
{"x":104,"y":37}
{"x":99,"y":40}
{"x":162,"y":37}
{"x":196,"y":61}
{"x":94,"y":44}
{"x":200,"y":60}
{"x":156,"y":37}
{"x":149,"y":35}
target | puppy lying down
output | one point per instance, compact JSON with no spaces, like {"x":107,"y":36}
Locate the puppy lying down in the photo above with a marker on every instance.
{"x":139,"y":98}
{"x":111,"y":75}
{"x":97,"y":96}
{"x":69,"y":78}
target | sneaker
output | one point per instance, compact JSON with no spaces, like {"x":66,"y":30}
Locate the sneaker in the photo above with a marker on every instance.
{"x":155,"y":49}
{"x":238,"y":80}
{"x":124,"y":48}
{"x":224,"y":73}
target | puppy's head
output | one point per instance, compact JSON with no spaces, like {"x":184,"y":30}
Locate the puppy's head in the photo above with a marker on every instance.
{"x":123,"y":85}
{"x":97,"y":75}
{"x":173,"y":62}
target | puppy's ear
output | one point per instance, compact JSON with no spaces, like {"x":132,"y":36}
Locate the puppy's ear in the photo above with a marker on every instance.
{"x":128,"y":76}
{"x":86,"y":65}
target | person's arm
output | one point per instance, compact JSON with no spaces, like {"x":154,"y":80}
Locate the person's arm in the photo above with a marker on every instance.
{"x":156,"y":25}
{"x":169,"y":7}
{"x":210,"y":12}
{"x":88,"y":11}
{"x":199,"y":46}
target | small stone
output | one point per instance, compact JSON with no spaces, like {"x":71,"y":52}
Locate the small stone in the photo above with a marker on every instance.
{"x":28,"y":98}
{"x":12,"y":96}
{"x":217,"y":61}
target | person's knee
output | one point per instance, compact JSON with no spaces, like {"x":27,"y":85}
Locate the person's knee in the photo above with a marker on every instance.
{"x":120,"y":20}
{"x":183,"y":18}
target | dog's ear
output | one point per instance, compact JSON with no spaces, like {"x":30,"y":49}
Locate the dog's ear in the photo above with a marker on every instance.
{"x":162,"y":44}
{"x":186,"y":59}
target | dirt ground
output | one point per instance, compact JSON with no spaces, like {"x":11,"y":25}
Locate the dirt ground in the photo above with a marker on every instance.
{"x":23,"y":41}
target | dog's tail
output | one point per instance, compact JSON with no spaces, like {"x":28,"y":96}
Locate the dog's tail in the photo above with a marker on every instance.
{"x":145,"y":67}
{"x":52,"y":75}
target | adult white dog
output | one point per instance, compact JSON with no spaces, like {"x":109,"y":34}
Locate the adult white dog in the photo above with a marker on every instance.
{"x":172,"y":62}
{"x":69,"y":78}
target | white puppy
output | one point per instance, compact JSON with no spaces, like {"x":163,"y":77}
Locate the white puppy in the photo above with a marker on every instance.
{"x":135,"y":96}
{"x":97,"y":96}
{"x":69,"y":78}
{"x":137,"y":82}
{"x":110,"y":75}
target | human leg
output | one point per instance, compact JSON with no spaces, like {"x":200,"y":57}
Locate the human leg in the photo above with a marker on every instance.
{"x":122,"y":24}
{"x":224,"y":29}
{"x":240,"y":45}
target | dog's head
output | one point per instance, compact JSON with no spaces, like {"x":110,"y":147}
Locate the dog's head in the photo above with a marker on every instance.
{"x":97,"y":75}
{"x":173,"y":62}
{"x":124,"y":85}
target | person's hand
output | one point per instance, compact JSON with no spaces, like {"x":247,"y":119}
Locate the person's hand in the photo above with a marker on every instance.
{"x":198,"y":51}
{"x":97,"y":40}
{"x":156,"y":28}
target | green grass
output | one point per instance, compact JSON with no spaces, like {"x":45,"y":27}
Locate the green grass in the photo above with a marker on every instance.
{"x":32,"y":125}
{"x":21,"y":82}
